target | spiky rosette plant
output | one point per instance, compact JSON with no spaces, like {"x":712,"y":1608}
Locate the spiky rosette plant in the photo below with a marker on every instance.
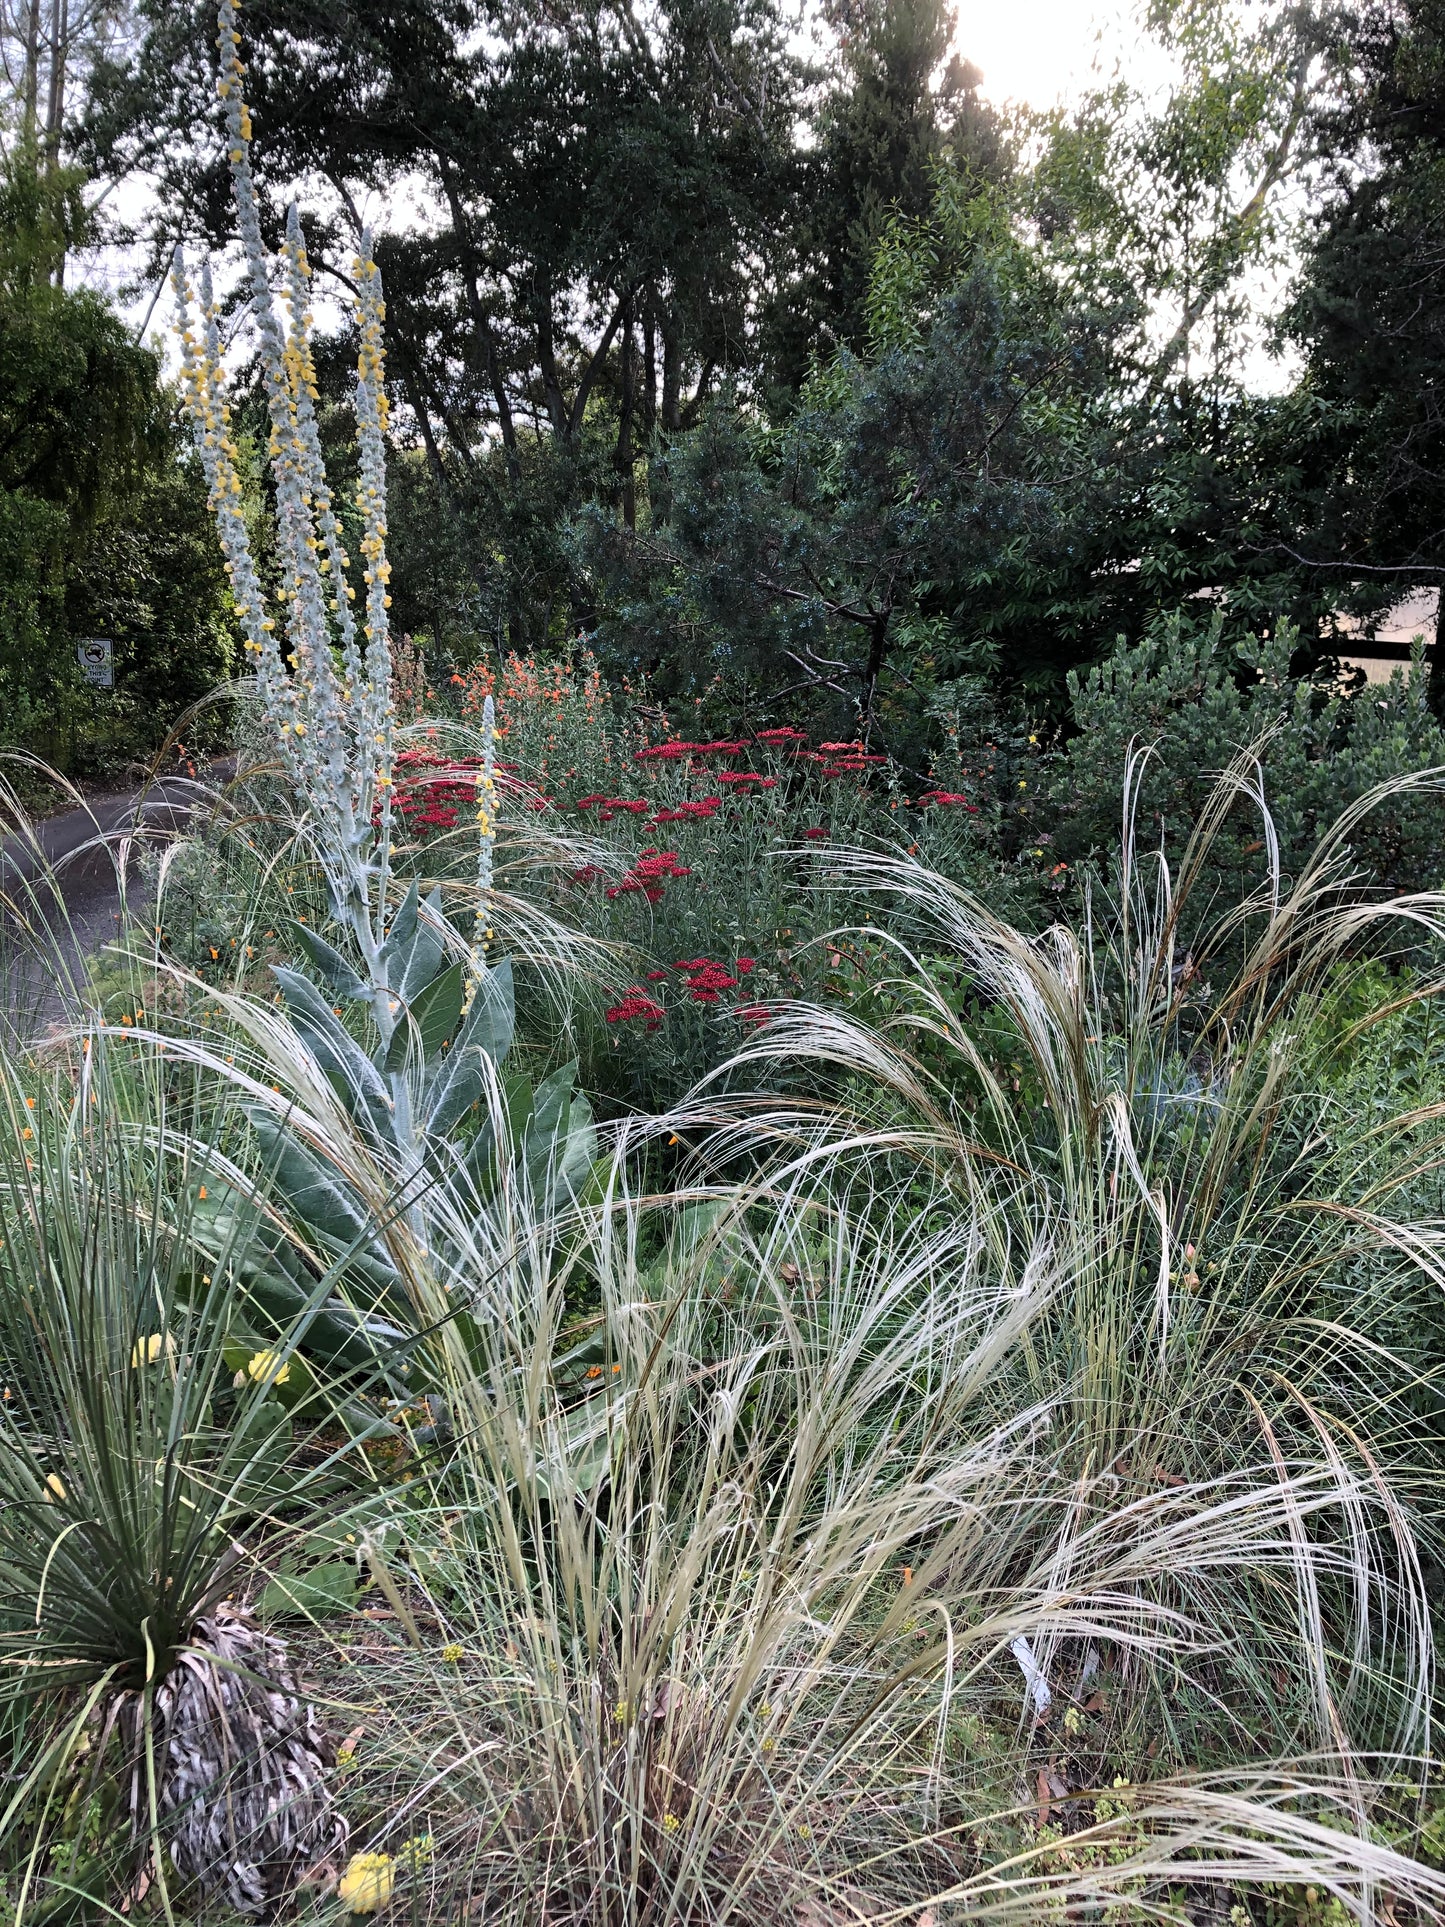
{"x":145,"y":1455}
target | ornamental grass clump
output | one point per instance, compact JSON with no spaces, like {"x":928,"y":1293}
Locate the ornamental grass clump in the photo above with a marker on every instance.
{"x":855,"y":1512}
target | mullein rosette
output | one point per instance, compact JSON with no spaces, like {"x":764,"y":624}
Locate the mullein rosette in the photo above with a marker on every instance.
{"x":326,"y":690}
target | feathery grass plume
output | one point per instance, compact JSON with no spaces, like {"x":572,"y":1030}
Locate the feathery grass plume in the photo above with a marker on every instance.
{"x":728,"y":1579}
{"x":133,"y":1472}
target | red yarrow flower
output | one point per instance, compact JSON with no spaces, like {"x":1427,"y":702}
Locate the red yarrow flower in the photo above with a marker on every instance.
{"x":706,"y":980}
{"x":949,"y":798}
{"x":704,"y":808}
{"x":637,"y":1005}
{"x":740,"y":777}
{"x":648,"y":874}
{"x":665,"y":752}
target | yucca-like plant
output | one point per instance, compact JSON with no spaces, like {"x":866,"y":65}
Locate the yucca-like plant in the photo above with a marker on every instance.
{"x":148,"y":1449}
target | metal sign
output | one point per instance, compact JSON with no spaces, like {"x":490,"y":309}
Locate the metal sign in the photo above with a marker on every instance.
{"x":97,"y":659}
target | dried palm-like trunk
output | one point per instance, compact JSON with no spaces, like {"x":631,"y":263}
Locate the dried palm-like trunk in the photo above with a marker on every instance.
{"x":243,"y":1802}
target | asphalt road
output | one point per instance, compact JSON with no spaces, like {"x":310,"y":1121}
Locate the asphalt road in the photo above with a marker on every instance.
{"x":63,"y":882}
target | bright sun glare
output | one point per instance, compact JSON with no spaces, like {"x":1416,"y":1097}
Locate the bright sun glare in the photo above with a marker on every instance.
{"x":1038,"y":51}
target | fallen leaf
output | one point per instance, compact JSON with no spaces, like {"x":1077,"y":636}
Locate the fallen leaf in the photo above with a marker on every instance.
{"x":1044,"y":1792}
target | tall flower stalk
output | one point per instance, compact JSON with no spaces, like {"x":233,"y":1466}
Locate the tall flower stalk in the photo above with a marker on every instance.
{"x":486,"y":840}
{"x":323,"y":675}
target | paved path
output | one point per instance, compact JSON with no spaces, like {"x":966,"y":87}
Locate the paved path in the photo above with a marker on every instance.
{"x":64,"y":881}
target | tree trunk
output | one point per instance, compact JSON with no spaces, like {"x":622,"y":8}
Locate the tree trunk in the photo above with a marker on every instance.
{"x":671,"y":375}
{"x":649,"y":366}
{"x":626,"y":403}
{"x":547,"y":356}
{"x":31,"y":115}
{"x":482,"y":327}
{"x":55,"y":99}
{"x":873,"y":668}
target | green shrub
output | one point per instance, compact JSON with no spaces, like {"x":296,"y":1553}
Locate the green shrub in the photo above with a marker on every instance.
{"x":1194,"y":704}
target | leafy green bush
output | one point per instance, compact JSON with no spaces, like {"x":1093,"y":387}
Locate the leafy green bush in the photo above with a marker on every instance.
{"x":1195,"y":704}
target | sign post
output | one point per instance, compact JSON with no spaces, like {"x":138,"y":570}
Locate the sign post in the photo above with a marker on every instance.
{"x":97,"y":658}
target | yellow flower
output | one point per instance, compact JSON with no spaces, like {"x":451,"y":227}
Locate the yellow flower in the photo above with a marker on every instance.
{"x":148,"y":1350}
{"x":451,"y":1653}
{"x":54,"y":1487}
{"x":266,"y":1369}
{"x":367,"y":1882}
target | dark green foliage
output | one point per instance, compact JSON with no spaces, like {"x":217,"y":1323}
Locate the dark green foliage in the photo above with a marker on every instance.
{"x":609,"y":195}
{"x":1369,"y":313}
{"x":103,"y":521}
{"x":1196,"y":702}
{"x":898,"y":514}
{"x":900,"y":104}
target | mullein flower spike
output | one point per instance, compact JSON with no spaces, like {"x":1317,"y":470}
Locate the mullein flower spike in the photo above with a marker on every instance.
{"x":326,"y":690}
{"x":486,"y":839}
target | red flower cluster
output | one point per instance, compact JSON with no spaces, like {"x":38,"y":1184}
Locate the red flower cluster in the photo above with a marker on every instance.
{"x":706,"y":807}
{"x":665,"y":752}
{"x":815,"y":836}
{"x":649,"y":873}
{"x":739,"y":778}
{"x":950,"y":797}
{"x":430,"y":791}
{"x":788,"y":735}
{"x":635,"y":1004}
{"x":705,"y":979}
{"x":612,"y":805}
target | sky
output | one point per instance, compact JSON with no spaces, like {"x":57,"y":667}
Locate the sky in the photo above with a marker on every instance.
{"x":1039,"y":51}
